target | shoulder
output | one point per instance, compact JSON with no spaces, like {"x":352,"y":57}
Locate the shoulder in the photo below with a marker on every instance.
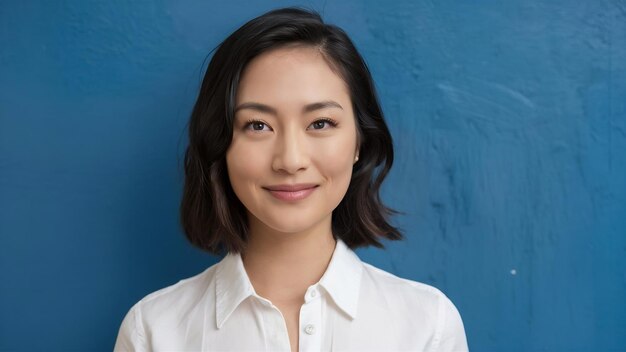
{"x":185,"y":288}
{"x":175,"y":300}
{"x":163,"y":309}
{"x":186,"y":293}
{"x":425,"y":307}
{"x":428,"y":297}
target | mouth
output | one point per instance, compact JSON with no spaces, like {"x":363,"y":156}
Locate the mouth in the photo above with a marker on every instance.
{"x":291,"y":193}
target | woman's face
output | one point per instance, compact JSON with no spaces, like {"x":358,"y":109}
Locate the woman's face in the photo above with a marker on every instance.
{"x":289,"y":140}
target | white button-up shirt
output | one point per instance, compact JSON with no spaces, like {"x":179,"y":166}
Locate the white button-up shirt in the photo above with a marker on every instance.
{"x":353,"y":307}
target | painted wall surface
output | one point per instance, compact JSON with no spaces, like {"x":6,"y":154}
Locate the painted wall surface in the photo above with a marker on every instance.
{"x":508,"y":118}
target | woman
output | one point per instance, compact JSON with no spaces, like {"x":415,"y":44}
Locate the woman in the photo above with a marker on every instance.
{"x":287,"y":151}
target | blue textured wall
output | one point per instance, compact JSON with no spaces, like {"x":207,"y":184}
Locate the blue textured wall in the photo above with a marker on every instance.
{"x":509,"y":121}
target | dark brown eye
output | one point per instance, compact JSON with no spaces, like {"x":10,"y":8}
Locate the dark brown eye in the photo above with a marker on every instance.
{"x":255,"y":124}
{"x":321,"y":122}
{"x":258,"y":126}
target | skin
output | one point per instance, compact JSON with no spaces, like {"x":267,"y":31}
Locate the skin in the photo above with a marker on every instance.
{"x":290,"y":243}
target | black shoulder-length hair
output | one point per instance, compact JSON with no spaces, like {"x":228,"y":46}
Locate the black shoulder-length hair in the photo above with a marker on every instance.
{"x":212,"y":216}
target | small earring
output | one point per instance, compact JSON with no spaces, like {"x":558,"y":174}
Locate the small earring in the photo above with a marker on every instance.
{"x":356,"y":158}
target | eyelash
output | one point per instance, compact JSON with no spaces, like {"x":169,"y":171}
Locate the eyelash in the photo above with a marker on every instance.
{"x":331,"y":122}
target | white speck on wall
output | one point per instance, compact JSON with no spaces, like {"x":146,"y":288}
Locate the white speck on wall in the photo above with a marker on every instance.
{"x":513,"y":272}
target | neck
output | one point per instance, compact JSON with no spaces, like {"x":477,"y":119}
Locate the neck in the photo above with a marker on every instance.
{"x":281,"y":266}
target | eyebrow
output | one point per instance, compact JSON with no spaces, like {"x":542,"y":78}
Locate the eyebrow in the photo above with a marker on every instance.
{"x":307,"y":108}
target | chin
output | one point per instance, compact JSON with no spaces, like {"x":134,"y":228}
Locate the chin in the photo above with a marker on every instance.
{"x":290,"y":222}
{"x":290,"y":227}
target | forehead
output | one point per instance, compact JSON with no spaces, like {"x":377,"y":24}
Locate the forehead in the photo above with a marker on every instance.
{"x":291,"y":76}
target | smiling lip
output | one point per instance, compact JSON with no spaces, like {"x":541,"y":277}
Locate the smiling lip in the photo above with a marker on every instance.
{"x":291,"y":192}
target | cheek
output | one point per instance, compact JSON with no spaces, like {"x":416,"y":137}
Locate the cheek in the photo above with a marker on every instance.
{"x":335,"y":157}
{"x":243,"y":166}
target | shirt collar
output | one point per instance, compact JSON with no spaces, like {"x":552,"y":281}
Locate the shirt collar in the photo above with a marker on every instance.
{"x":342,"y":281}
{"x":232,"y":286}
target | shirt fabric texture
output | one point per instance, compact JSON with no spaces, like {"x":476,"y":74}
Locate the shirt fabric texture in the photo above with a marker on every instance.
{"x":353,"y":307}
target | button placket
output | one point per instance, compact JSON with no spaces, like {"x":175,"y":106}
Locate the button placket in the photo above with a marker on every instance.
{"x":309,"y":329}
{"x":311,"y":322}
{"x":311,"y":294}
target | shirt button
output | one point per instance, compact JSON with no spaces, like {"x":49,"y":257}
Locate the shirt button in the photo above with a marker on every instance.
{"x":310,"y":329}
{"x":313,"y":293}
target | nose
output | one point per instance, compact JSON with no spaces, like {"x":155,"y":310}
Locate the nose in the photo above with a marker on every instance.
{"x":291,"y":154}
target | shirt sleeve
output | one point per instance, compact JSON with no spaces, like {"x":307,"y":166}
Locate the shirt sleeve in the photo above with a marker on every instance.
{"x":131,"y":336}
{"x":450,"y":336}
